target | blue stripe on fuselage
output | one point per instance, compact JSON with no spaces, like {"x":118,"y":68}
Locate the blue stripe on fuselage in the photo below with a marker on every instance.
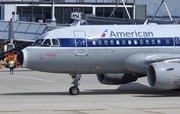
{"x":117,"y":42}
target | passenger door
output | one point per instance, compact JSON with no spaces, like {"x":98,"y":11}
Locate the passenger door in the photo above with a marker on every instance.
{"x":176,"y":43}
{"x":81,"y":47}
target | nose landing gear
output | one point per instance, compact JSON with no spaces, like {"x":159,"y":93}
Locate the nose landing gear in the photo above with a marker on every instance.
{"x":74,"y":90}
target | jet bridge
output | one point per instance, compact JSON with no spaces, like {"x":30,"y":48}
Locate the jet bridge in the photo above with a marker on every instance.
{"x":19,"y":32}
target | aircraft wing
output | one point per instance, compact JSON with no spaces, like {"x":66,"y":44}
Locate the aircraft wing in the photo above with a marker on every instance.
{"x":160,"y":59}
{"x":138,"y":63}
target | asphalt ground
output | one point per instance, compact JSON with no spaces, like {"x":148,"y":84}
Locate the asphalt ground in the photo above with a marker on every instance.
{"x":34,"y":92}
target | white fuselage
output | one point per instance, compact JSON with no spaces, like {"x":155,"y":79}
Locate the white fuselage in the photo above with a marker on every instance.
{"x":104,"y":48}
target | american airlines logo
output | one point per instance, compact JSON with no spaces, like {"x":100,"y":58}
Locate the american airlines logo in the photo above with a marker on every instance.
{"x":132,"y":34}
{"x":104,"y":33}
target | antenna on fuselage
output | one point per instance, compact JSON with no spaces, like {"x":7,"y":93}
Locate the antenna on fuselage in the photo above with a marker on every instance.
{"x":145,"y":23}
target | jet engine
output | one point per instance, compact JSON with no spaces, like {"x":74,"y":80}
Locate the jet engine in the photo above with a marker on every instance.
{"x":116,"y":79}
{"x":163,"y":75}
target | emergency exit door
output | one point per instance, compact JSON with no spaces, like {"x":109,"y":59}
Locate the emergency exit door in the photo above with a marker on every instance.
{"x":81,"y":48}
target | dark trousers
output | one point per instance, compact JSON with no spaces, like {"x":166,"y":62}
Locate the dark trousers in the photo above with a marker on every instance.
{"x":11,"y":70}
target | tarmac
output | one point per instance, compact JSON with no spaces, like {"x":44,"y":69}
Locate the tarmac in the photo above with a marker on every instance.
{"x":34,"y":92}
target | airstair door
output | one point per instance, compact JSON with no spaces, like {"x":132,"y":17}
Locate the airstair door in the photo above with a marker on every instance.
{"x":81,"y":47}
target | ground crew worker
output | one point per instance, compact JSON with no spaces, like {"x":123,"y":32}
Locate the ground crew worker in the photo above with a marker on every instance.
{"x":11,"y":66}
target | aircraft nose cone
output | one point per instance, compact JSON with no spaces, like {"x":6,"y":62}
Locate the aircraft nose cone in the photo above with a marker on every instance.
{"x":20,"y":58}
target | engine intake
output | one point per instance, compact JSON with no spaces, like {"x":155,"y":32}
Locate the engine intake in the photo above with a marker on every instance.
{"x":164,"y":75}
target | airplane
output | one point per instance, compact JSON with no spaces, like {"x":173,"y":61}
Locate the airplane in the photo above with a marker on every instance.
{"x":117,"y":54}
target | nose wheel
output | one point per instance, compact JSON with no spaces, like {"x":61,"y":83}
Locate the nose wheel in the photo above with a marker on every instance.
{"x":74,"y":90}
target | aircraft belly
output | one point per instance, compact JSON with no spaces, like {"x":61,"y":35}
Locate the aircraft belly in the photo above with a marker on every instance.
{"x":66,"y":60}
{"x":97,"y":61}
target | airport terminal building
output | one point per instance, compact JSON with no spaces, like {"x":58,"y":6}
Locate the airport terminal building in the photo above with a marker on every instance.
{"x":41,"y":10}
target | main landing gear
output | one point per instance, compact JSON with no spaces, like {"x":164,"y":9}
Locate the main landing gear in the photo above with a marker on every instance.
{"x":74,"y":90}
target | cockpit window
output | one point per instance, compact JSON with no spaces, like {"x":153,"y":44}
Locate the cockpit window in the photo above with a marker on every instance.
{"x":38,"y":42}
{"x":47,"y":42}
{"x":55,"y":42}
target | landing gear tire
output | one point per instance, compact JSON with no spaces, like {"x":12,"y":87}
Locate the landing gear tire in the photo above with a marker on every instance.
{"x":74,"y":90}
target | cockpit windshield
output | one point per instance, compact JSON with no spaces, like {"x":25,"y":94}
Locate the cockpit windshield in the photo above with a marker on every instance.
{"x":55,"y":42}
{"x":38,"y":42}
{"x":46,"y":42}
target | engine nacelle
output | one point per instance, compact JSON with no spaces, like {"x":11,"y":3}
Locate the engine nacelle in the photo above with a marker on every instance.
{"x":116,"y":79}
{"x":164,"y":75}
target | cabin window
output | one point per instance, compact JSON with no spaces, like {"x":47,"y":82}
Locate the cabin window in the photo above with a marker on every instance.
{"x":55,"y":42}
{"x":153,"y":41}
{"x":117,"y":42}
{"x":94,"y":42}
{"x":167,"y":41}
{"x":47,"y":42}
{"x":159,"y":41}
{"x":147,"y":41}
{"x":105,"y":42}
{"x":135,"y":42}
{"x":112,"y":42}
{"x":100,"y":42}
{"x":123,"y":42}
{"x":141,"y":42}
{"x":129,"y":42}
